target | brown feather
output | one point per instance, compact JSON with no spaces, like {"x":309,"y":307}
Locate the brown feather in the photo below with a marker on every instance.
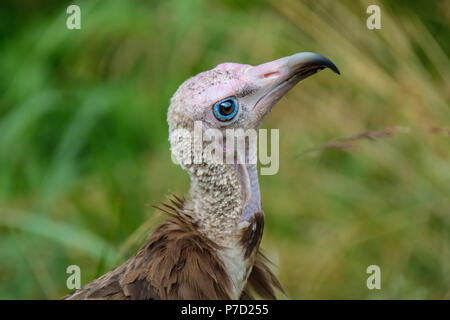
{"x":178,"y":262}
{"x":262,"y":280}
{"x":251,"y":237}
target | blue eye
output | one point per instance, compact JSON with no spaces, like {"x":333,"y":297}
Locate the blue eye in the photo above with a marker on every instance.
{"x":226,"y":109}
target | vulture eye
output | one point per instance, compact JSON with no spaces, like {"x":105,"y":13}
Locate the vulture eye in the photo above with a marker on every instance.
{"x":226,"y":109}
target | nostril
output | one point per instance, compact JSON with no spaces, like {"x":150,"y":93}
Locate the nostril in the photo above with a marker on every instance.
{"x":270,"y":74}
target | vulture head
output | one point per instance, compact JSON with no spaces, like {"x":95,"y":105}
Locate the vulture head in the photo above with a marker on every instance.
{"x":226,"y":203}
{"x":236,"y":95}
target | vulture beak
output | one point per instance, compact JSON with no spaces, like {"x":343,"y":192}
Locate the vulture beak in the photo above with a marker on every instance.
{"x":274,"y":79}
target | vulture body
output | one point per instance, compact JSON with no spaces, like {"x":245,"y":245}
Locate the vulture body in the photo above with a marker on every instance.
{"x":209,"y":246}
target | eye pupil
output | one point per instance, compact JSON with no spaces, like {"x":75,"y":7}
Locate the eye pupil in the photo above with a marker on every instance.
{"x":225,"y":110}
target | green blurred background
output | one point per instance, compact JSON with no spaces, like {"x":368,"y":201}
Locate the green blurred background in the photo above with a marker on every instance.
{"x":84,"y":149}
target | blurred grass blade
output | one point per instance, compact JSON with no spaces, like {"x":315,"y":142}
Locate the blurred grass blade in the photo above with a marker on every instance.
{"x":61,"y":233}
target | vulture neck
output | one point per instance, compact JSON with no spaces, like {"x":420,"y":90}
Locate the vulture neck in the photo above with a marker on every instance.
{"x":228,"y":211}
{"x":226,"y":198}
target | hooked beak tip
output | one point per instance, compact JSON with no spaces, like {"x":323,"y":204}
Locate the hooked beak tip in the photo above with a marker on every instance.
{"x":310,"y":59}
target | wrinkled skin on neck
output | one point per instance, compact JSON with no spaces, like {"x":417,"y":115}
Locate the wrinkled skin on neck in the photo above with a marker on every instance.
{"x":225,"y":197}
{"x":228,"y":211}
